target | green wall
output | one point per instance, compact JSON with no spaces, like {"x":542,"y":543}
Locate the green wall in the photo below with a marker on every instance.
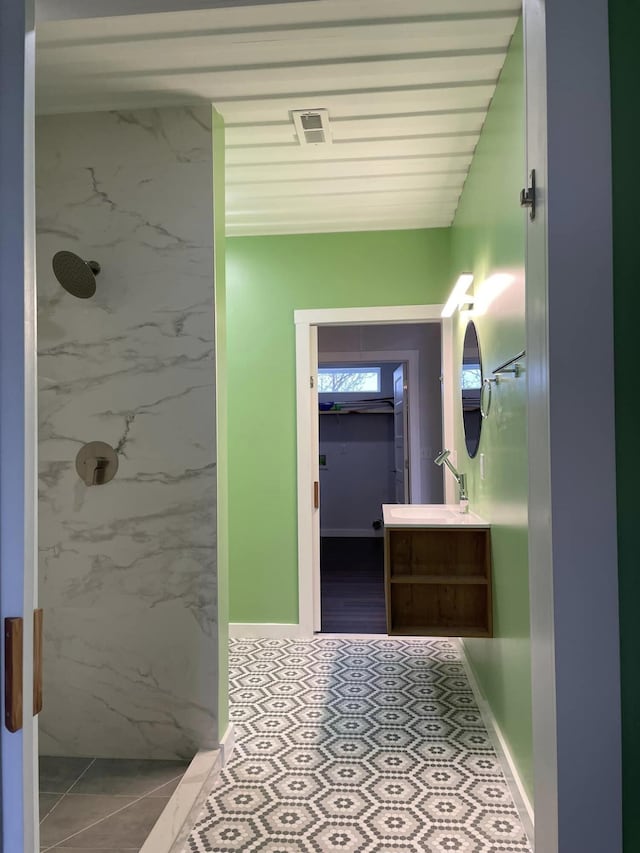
{"x":488,"y":238}
{"x":222,"y":449}
{"x":267,"y":279}
{"x":624,"y":33}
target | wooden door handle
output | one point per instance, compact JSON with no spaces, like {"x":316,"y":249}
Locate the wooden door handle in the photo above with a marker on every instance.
{"x":316,"y":495}
{"x":13,"y":646}
{"x":14,"y":670}
{"x":37,"y":660}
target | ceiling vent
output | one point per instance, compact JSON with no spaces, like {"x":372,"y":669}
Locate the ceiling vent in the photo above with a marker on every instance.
{"x":312,"y":126}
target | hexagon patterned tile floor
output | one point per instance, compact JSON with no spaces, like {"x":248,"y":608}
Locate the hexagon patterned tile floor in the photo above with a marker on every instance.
{"x":357,"y":746}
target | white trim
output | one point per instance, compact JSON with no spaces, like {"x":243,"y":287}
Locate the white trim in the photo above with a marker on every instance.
{"x":179,"y":815}
{"x":509,"y":767}
{"x":267,"y":630}
{"x":448,"y":403}
{"x":351,"y":532}
{"x":308,"y":471}
{"x":574,"y":623}
{"x":314,"y":447}
{"x":172,"y":828}
{"x":380,"y":314}
{"x":412,"y":359}
{"x":18,"y":407}
{"x":228,"y":743}
{"x":307,"y":322}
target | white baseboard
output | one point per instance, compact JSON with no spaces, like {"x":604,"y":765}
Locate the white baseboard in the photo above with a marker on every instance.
{"x":351,"y":532}
{"x":509,"y":768}
{"x":267,"y":630}
{"x":172,"y":828}
{"x":228,"y":743}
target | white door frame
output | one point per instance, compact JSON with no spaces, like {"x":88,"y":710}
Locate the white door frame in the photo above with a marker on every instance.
{"x":18,"y":396}
{"x":412,"y":359}
{"x":575,"y":651}
{"x":306,"y":323}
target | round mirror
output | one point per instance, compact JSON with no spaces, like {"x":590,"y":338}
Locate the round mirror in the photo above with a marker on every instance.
{"x":471,"y":385}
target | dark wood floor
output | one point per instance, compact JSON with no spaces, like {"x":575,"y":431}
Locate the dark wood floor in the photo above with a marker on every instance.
{"x":352,"y":586}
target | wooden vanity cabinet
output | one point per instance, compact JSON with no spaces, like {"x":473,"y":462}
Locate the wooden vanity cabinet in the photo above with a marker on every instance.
{"x":438,"y":581}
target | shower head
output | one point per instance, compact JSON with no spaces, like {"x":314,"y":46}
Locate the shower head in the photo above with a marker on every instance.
{"x":442,"y":457}
{"x":78,"y":277}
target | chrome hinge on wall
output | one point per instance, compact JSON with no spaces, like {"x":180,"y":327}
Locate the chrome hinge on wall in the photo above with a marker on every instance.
{"x":311,"y":382}
{"x":528,"y":195}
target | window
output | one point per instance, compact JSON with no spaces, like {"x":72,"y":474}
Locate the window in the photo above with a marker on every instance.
{"x":332,"y":380}
{"x":471,"y":376}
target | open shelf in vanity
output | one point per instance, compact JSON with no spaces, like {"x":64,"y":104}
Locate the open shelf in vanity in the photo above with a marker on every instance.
{"x":438,"y":578}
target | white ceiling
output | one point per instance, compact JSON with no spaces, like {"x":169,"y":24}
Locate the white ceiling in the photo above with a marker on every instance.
{"x":407,"y":84}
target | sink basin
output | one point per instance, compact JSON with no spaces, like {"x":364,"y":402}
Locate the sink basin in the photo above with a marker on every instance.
{"x":429,"y":515}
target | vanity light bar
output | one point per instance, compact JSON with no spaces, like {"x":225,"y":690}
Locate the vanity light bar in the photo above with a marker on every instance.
{"x":458,"y":295}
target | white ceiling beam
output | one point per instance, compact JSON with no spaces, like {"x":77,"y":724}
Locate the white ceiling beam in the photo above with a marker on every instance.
{"x":367,"y":103}
{"x":354,"y":185}
{"x":336,"y":64}
{"x":68,"y":10}
{"x":83,"y":38}
{"x":413,"y":147}
{"x":193,"y":86}
{"x":362,"y":205}
{"x":286,"y":173}
{"x":264,"y":12}
{"x":337,"y":224}
{"x":183,"y":56}
{"x":467,"y":94}
{"x":362,"y":129}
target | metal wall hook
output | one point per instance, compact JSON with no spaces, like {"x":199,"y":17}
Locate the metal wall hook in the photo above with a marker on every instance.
{"x":517,"y":368}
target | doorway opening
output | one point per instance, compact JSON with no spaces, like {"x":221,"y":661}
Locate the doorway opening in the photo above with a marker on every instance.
{"x":368,"y":430}
{"x":359,"y":443}
{"x":356,"y":442}
{"x":380,"y":425}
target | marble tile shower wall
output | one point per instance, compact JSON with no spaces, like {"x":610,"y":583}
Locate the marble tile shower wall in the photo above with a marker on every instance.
{"x":128,"y":569}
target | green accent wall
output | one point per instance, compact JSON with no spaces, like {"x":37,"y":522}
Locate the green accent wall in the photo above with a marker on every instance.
{"x":488,"y":238}
{"x":624,"y":36}
{"x":267,"y":279}
{"x":222,"y":448}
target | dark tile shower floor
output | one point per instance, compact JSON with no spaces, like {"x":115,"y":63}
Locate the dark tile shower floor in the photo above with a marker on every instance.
{"x":105,"y":804}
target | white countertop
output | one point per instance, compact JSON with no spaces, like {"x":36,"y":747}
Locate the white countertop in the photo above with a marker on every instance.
{"x":429,"y":515}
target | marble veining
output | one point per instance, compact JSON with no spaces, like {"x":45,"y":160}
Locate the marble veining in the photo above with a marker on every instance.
{"x":128,"y":570}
